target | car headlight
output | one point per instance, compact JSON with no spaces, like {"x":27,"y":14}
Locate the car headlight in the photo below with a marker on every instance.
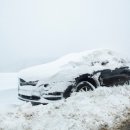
{"x":23,"y":82}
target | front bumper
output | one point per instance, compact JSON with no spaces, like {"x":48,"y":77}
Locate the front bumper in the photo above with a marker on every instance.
{"x":35,"y":97}
{"x":29,"y":97}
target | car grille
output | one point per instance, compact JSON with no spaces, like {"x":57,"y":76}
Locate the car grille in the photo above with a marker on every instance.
{"x":29,"y":97}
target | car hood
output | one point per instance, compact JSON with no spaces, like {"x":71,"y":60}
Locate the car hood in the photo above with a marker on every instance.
{"x":73,"y":65}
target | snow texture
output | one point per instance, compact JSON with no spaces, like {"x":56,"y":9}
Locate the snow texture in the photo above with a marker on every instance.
{"x":95,"y":110}
{"x":72,"y":65}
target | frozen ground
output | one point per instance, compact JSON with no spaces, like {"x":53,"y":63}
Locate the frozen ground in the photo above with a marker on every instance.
{"x":102,"y":109}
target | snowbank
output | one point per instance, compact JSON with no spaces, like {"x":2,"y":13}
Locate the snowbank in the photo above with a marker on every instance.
{"x":102,"y":108}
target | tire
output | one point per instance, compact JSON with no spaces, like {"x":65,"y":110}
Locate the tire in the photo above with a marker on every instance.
{"x":78,"y":88}
{"x":84,"y":86}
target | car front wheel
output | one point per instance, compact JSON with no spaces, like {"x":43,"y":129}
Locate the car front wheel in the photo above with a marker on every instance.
{"x":84,"y":86}
{"x":80,"y":87}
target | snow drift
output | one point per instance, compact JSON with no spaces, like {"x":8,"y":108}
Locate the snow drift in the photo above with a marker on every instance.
{"x":103,"y":108}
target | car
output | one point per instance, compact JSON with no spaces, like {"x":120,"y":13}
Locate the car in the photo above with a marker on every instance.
{"x":75,"y":72}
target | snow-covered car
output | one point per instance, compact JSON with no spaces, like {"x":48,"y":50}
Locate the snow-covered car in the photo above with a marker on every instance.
{"x":72,"y":73}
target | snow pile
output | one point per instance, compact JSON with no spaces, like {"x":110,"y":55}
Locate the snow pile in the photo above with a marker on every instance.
{"x":74,"y":64}
{"x":102,"y":108}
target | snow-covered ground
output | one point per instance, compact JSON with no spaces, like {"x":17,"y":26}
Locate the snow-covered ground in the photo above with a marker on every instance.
{"x":102,"y":108}
{"x":8,"y":91}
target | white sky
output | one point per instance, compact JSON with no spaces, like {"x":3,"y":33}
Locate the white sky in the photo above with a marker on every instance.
{"x":46,"y":29}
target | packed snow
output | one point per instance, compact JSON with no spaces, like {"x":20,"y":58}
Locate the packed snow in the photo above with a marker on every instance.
{"x":103,"y":108}
{"x":75,"y":64}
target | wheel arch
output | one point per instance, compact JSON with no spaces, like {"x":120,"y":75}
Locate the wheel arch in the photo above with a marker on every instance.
{"x":86,"y":77}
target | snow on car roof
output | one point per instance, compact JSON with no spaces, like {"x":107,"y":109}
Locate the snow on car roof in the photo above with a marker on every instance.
{"x":75,"y":64}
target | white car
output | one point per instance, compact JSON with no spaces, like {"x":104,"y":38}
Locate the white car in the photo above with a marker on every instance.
{"x":72,"y":73}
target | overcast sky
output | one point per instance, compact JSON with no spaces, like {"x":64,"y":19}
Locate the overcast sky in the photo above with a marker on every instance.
{"x":34,"y":31}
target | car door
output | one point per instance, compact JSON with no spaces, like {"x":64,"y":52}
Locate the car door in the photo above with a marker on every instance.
{"x":119,"y":76}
